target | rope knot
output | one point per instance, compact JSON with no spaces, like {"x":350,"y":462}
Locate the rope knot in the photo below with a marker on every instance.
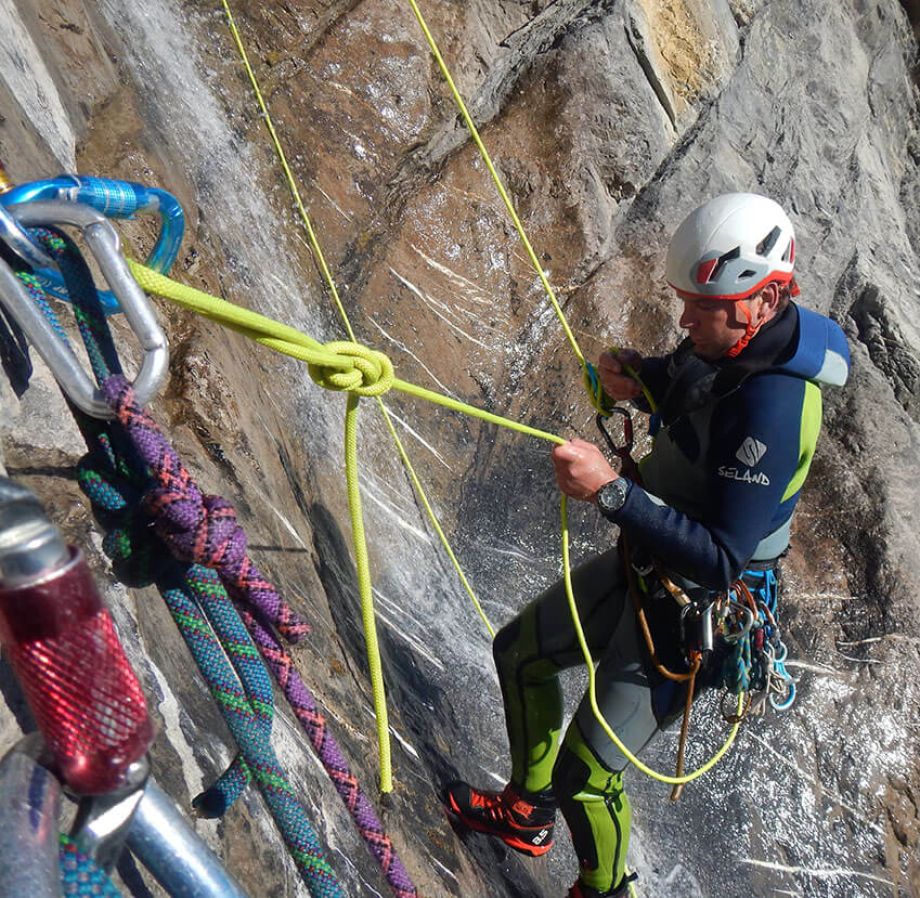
{"x":198,"y":529}
{"x":370,"y":372}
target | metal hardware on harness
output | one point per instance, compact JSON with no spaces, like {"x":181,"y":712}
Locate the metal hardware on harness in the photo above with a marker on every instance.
{"x":102,"y":240}
{"x":18,"y":239}
{"x":696,"y":629}
{"x":736,"y":620}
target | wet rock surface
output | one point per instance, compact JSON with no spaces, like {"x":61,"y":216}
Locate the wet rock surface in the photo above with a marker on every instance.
{"x":608,"y":121}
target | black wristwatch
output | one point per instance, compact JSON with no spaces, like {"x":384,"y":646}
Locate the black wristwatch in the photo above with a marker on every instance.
{"x":611,"y":496}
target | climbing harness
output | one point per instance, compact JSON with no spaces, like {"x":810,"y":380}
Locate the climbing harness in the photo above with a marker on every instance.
{"x":113,"y":199}
{"x":102,"y":240}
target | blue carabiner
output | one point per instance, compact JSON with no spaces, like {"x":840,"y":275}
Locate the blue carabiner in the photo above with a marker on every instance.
{"x":779,"y":670}
{"x":114,"y":199}
{"x":786,"y":703}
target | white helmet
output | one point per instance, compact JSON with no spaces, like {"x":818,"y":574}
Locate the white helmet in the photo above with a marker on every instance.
{"x":731,"y":247}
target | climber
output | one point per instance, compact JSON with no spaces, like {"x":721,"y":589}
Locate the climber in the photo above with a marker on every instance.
{"x":739,"y":404}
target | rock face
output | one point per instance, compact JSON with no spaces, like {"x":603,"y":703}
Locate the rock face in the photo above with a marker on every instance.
{"x":608,"y":122}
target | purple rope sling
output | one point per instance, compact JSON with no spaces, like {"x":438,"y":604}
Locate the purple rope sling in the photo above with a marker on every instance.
{"x":203,"y":530}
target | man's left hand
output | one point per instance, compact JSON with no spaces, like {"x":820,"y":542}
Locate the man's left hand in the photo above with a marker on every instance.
{"x":581,"y":469}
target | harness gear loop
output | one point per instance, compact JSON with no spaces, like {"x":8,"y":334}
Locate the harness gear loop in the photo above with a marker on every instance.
{"x":371,"y":372}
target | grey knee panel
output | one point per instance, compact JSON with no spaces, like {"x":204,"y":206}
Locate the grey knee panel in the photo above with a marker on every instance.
{"x":625,"y":697}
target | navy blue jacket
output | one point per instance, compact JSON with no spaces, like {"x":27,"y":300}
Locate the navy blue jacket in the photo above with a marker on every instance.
{"x":735,"y":444}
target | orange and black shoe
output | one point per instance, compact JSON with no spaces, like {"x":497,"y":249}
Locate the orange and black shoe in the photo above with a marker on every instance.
{"x":523,"y":822}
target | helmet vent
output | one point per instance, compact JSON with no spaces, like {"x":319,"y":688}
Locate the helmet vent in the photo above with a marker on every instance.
{"x":746,"y":274}
{"x":716,"y":270}
{"x":789,"y":255}
{"x":768,"y":242}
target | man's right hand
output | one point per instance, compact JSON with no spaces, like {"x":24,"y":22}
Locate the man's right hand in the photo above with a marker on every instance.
{"x":611,"y":369}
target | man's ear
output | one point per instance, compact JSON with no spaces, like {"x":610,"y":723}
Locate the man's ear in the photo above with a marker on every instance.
{"x":769,"y":301}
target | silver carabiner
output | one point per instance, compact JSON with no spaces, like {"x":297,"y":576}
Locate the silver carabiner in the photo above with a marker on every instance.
{"x":18,"y":239}
{"x":102,"y":239}
{"x":740,"y":613}
{"x":30,"y":803}
{"x":144,"y":819}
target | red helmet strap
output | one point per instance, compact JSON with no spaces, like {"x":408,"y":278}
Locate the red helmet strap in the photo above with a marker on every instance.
{"x":749,"y":332}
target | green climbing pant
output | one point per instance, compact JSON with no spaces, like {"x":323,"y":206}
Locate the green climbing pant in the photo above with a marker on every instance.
{"x":584,"y":769}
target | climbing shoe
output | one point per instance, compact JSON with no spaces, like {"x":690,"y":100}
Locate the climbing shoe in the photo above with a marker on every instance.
{"x":523,"y":822}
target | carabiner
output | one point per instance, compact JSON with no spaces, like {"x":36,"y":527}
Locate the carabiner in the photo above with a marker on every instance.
{"x":102,"y":240}
{"x":114,"y":199}
{"x":30,"y":804}
{"x":740,"y":613}
{"x":624,"y":450}
{"x":18,"y":239}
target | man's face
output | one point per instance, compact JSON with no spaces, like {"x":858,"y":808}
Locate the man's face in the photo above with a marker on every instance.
{"x":714,"y":325}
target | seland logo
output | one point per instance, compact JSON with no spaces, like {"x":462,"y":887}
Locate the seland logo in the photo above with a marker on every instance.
{"x":759,"y":478}
{"x":750,"y":451}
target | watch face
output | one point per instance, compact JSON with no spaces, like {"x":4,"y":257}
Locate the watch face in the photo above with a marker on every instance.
{"x":611,"y":496}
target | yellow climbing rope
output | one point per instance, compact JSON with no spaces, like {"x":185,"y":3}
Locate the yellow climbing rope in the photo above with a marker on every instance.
{"x":329,"y":368}
{"x":366,"y":372}
{"x":496,"y":178}
{"x":589,"y":375}
{"x":366,"y":599}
